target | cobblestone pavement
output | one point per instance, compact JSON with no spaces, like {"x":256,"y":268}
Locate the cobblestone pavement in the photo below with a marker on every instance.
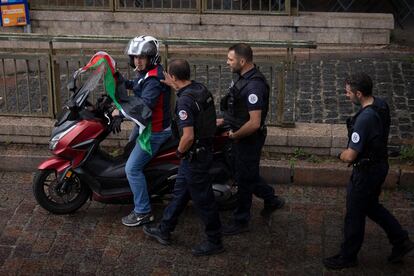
{"x":321,"y":97}
{"x":93,"y":241}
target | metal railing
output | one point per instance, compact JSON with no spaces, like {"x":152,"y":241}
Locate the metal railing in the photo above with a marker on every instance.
{"x":72,"y":4}
{"x":187,"y":6}
{"x":25,"y":85}
{"x":192,"y":6}
{"x":247,"y":6}
{"x":35,"y":84}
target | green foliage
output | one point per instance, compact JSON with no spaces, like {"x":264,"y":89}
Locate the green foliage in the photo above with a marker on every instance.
{"x":115,"y":152}
{"x":407,"y":153}
{"x":292,"y":162}
{"x":299,"y":153}
{"x":314,"y":159}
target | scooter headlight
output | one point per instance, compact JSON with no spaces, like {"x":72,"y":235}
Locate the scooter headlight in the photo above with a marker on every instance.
{"x":55,"y":139}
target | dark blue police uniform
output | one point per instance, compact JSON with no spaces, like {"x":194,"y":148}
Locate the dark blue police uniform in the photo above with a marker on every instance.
{"x":368,"y":135}
{"x":193,"y":180}
{"x":248,"y":92}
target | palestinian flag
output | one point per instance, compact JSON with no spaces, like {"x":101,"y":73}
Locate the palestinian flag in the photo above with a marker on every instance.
{"x":131,"y":107}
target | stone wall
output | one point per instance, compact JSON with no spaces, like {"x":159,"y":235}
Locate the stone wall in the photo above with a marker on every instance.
{"x":324,"y":28}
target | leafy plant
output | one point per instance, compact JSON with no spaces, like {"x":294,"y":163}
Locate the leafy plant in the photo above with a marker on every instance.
{"x":314,"y":159}
{"x":292,"y":162}
{"x":115,"y":152}
{"x":299,"y":153}
{"x":407,"y":153}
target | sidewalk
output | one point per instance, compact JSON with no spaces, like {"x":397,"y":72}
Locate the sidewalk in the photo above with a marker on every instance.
{"x":94,"y":242}
{"x":304,"y":155}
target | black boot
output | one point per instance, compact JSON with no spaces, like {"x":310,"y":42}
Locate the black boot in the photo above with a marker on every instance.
{"x":270,"y":207}
{"x":398,"y":252}
{"x":235,"y":229}
{"x":155,"y":232}
{"x":207,"y":248}
{"x":339,"y":262}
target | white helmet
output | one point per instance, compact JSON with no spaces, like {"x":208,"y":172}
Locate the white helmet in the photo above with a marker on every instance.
{"x":144,"y":45}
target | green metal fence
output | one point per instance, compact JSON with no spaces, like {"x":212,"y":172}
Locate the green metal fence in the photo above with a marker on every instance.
{"x":35,"y":84}
{"x":186,"y":6}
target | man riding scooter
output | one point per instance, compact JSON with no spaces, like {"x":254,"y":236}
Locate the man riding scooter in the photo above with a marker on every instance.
{"x":143,"y":52}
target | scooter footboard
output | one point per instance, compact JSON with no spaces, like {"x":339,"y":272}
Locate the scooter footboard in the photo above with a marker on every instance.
{"x":54,"y":163}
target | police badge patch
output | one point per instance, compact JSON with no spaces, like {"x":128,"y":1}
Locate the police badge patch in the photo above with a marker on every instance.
{"x":182,"y":114}
{"x":253,"y":98}
{"x":355,"y":137}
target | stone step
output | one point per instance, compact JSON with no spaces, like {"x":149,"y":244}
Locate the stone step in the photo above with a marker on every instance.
{"x":311,"y":138}
{"x":327,"y":173}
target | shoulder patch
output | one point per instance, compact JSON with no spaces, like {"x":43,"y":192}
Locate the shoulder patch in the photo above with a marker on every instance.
{"x":183,"y":115}
{"x":253,"y":98}
{"x":355,"y":137}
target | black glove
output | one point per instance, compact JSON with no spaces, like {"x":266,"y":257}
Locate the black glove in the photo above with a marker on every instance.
{"x":101,"y":103}
{"x":116,"y":124}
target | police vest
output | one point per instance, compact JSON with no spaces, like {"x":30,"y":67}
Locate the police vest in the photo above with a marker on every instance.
{"x":205,"y":121}
{"x":375,"y":150}
{"x":234,"y":105}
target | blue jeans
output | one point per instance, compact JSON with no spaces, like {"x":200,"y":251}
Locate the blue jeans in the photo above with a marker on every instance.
{"x":134,"y":134}
{"x":134,"y":170}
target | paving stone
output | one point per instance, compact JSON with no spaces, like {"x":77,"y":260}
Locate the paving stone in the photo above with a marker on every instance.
{"x":387,"y":74}
{"x":92,"y":241}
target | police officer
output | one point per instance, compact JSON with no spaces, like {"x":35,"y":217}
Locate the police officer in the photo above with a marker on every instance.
{"x":245,"y":108}
{"x":196,"y":118}
{"x":367,"y":152}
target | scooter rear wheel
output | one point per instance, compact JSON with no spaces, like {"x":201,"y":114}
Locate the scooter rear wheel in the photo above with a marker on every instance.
{"x":48,"y":193}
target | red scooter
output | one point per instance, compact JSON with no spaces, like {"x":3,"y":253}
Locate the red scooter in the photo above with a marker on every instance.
{"x":80,"y":169}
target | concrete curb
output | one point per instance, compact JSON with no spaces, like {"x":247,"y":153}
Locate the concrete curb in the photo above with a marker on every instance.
{"x":312,"y":138}
{"x":326,"y":174}
{"x":26,"y":158}
{"x":24,"y":145}
{"x":23,"y":158}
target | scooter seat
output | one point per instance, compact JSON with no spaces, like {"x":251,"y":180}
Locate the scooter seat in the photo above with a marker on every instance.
{"x":172,"y":142}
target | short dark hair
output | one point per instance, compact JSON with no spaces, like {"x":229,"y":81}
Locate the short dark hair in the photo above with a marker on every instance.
{"x":243,"y":50}
{"x":360,"y":82}
{"x":180,"y":69}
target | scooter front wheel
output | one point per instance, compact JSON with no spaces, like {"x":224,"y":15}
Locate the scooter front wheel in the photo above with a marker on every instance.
{"x":59,"y":197}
